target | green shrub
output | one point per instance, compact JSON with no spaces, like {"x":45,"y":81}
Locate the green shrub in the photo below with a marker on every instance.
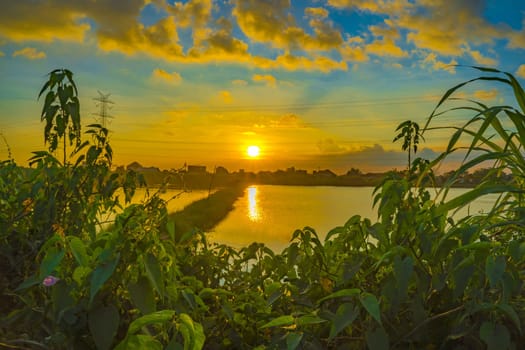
{"x":415,"y":278}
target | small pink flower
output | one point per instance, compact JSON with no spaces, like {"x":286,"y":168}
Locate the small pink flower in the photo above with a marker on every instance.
{"x":50,"y":280}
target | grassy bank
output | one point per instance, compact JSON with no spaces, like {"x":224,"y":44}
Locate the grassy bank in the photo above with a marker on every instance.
{"x":206,"y":213}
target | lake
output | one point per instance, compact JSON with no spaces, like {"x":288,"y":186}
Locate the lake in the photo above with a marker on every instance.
{"x":270,"y":214}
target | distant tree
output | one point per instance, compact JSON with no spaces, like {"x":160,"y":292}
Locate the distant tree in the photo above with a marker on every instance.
{"x":61,"y":111}
{"x":409,"y":132}
{"x":353,"y":172}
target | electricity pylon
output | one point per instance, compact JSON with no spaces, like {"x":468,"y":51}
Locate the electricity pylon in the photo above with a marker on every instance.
{"x":104,"y":104}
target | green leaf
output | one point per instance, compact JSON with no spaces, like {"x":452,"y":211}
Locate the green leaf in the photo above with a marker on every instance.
{"x":31,"y":281}
{"x":192,"y":333}
{"x":480,"y":245}
{"x":293,"y":340}
{"x":512,"y":314}
{"x":309,"y":319}
{"x":473,"y":194}
{"x":496,"y":336}
{"x":103,"y":325}
{"x":345,"y":315}
{"x":341,"y":293}
{"x":51,"y":260}
{"x":461,"y":278}
{"x":142,"y":295}
{"x":78,"y":249}
{"x":377,"y":339}
{"x":494,"y":269}
{"x":139,"y":342}
{"x":154,"y":273}
{"x":403,"y":270}
{"x":155,"y":317}
{"x":80,"y":273}
{"x":101,"y":275}
{"x":170,"y":227}
{"x":50,"y":97}
{"x":46,"y":85}
{"x":280,"y":321}
{"x":371,"y":305}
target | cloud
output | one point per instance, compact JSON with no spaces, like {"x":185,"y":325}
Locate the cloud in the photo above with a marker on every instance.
{"x":362,"y":5}
{"x":159,"y":74}
{"x":316,"y":12}
{"x":477,"y":94}
{"x":353,"y":50}
{"x":2,"y":54}
{"x":192,"y":13}
{"x":320,"y":63}
{"x":30,"y":53}
{"x":219,"y":44}
{"x":158,"y":40}
{"x":517,"y":39}
{"x":482,"y":59}
{"x":330,"y":146}
{"x":225,"y":96}
{"x":486,"y":94}
{"x":239,"y":82}
{"x":287,"y":121}
{"x":385,"y":42}
{"x":448,"y":29}
{"x":432,"y":61}
{"x":268,"y":79}
{"x":520,"y":72}
{"x":372,"y":158}
{"x":273,"y":24}
{"x":20,"y":21}
{"x":314,"y":42}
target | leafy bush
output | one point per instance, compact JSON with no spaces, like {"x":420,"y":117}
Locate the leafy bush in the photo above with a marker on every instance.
{"x":415,"y":278}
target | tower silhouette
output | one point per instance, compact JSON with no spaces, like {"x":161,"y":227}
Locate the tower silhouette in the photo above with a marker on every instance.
{"x":103,"y":102}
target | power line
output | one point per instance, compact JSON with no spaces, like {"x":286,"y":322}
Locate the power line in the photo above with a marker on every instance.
{"x":103,"y":103}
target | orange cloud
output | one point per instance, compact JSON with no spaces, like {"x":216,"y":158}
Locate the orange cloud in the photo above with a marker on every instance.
{"x":446,"y":28}
{"x":520,"y":72}
{"x":368,"y":5}
{"x":268,"y":79}
{"x":481,"y":59}
{"x":385,"y":47}
{"x":21,"y":22}
{"x":432,"y":61}
{"x":158,"y":40}
{"x":272,"y":23}
{"x":30,"y":53}
{"x":321,"y":63}
{"x":517,"y":39}
{"x":316,"y":12}
{"x":486,"y":94}
{"x":159,"y":74}
{"x":353,"y":50}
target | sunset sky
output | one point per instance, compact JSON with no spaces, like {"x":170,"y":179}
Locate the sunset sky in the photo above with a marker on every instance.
{"x":314,"y":84}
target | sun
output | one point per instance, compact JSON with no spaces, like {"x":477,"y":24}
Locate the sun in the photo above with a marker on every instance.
{"x":253,"y":151}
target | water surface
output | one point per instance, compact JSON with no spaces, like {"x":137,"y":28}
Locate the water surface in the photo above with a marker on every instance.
{"x":270,"y":214}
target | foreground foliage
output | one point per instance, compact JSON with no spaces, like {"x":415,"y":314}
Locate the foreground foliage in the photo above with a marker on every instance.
{"x":414,"y":278}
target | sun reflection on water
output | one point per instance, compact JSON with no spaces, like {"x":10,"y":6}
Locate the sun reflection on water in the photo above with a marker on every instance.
{"x":254,"y":212}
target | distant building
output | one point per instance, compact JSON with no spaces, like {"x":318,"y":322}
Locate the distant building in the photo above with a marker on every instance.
{"x":196,"y":169}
